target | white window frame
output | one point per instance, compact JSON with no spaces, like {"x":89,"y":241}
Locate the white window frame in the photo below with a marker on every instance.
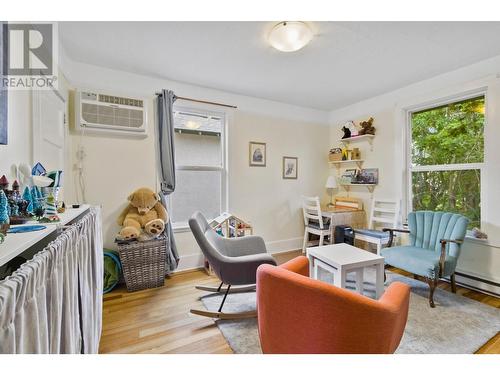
{"x":200,"y":110}
{"x":443,"y":167}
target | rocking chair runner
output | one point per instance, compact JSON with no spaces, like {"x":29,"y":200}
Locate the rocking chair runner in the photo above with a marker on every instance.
{"x":233,"y":260}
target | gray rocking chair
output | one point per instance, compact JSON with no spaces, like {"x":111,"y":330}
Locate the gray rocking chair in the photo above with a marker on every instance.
{"x":234,"y":261}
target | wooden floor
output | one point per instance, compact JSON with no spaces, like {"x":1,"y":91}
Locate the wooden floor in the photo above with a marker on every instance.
{"x":157,"y":320}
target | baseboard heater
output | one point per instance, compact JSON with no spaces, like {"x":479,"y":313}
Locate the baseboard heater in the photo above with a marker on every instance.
{"x":479,"y":284}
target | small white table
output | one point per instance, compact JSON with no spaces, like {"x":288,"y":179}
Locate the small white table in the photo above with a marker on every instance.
{"x":341,"y":259}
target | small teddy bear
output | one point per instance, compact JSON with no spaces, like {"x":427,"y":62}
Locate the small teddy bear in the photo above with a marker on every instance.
{"x":367,"y":127}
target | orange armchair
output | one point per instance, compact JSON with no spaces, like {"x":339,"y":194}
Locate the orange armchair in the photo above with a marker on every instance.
{"x":297,"y":314}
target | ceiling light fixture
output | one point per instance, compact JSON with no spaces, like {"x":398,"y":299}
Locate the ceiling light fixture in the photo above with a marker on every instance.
{"x":290,"y":36}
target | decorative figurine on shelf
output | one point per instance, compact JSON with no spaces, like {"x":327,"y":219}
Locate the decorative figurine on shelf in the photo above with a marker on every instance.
{"x":355,"y":154}
{"x":367,"y":127}
{"x":29,"y":199}
{"x":38,"y":212}
{"x":4,"y":183}
{"x":14,"y":208}
{"x":25,"y":177}
{"x":15,"y":186}
{"x":34,"y":197}
{"x":61,"y":208}
{"x":347,"y":132}
{"x":4,"y":215}
{"x":345,"y":154}
{"x":38,"y":170}
{"x":50,"y":214}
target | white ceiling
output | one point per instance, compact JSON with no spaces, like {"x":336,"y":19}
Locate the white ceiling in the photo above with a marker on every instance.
{"x":346,"y":61}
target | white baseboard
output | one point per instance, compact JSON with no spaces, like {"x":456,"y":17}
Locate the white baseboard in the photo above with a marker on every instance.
{"x":193,"y":261}
{"x":282,"y":246}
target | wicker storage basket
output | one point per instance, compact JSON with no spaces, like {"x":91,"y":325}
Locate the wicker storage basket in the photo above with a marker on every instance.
{"x":335,"y":157}
{"x":144,"y":263}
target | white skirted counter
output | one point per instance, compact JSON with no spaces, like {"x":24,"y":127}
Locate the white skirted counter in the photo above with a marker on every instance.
{"x":17,"y":243}
{"x":51,"y":296}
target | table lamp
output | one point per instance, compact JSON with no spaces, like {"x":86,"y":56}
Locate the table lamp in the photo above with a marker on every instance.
{"x":331,"y":183}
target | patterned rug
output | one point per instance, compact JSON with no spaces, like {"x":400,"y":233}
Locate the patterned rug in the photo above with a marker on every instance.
{"x":456,"y":325}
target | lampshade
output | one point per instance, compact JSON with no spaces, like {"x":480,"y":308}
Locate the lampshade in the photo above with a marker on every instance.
{"x":290,"y":36}
{"x":331,"y":183}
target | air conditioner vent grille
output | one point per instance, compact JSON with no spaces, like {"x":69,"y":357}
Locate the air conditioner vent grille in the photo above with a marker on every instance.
{"x":106,"y":115}
{"x":121,"y":101}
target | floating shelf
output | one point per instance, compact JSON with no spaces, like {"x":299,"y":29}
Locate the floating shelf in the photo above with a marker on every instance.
{"x":359,"y":138}
{"x":370,"y":187}
{"x":359,"y":163}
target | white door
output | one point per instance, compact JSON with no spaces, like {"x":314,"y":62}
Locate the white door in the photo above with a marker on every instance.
{"x":49,"y":130}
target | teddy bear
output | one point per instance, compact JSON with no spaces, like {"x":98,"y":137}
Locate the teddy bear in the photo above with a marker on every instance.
{"x":144,"y":217}
{"x":367,"y":127}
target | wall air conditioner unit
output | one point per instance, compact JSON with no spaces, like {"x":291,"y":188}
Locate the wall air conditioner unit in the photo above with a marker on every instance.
{"x":109,"y":113}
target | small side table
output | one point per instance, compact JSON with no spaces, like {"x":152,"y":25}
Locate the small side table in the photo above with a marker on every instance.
{"x":341,"y":259}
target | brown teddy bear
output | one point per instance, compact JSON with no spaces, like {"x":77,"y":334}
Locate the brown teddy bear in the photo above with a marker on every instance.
{"x":144,"y":212}
{"x":367,"y":127}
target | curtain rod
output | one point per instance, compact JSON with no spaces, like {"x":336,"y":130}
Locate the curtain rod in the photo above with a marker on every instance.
{"x":202,"y":101}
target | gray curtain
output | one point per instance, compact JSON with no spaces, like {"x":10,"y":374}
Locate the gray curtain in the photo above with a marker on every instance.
{"x":166,"y":157}
{"x":53,"y":302}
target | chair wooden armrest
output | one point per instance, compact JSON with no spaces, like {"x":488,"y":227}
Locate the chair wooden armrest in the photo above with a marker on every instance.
{"x":391,"y":233}
{"x":442,"y":258}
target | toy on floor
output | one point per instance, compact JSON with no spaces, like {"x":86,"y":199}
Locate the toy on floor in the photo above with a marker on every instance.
{"x":144,"y":217}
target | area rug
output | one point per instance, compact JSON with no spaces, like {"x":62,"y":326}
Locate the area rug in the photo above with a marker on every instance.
{"x":456,"y":325}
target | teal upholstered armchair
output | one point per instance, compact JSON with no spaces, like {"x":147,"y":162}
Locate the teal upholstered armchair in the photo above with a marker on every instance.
{"x":435,"y":241}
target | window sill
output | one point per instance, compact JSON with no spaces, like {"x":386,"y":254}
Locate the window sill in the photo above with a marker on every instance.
{"x":482,"y":241}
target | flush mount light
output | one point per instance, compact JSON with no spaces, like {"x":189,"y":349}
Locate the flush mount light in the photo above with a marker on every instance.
{"x":290,"y":36}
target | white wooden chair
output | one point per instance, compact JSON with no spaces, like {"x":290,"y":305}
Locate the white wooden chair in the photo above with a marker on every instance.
{"x":384,"y":213}
{"x":313,"y":221}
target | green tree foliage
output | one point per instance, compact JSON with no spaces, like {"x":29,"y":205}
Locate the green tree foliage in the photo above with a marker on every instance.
{"x":450,"y":134}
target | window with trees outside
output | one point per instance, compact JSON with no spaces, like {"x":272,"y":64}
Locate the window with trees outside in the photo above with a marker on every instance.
{"x":446,"y":157}
{"x":200,"y":165}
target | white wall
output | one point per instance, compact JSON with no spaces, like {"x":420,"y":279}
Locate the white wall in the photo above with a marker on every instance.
{"x":479,"y":258}
{"x":114,"y":166}
{"x":19,"y":147}
{"x":20,"y":130}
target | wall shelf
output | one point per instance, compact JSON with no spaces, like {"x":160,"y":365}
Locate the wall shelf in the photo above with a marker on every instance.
{"x":339,"y":163}
{"x":370,"y":187}
{"x":359,"y":138}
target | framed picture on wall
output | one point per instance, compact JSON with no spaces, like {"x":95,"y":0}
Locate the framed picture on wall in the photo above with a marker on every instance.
{"x":290,"y":167}
{"x":257,"y":154}
{"x":3,"y":93}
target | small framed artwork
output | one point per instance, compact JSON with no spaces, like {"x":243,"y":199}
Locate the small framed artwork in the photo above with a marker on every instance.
{"x":367,"y":176}
{"x":290,"y":167}
{"x":257,"y":154}
{"x":348,"y":176}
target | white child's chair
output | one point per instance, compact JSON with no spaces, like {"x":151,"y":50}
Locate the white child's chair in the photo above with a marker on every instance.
{"x":384,"y":214}
{"x":313,"y":221}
